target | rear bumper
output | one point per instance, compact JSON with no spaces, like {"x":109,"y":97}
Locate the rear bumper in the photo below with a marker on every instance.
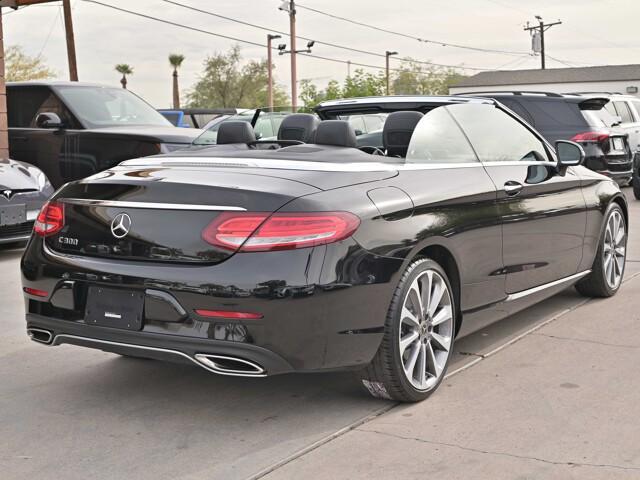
{"x":161,"y":347}
{"x":323,"y":308}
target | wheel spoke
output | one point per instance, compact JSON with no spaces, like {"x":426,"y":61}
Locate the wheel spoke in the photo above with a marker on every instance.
{"x":442,"y":316}
{"x":426,"y":282}
{"x":438,"y":292}
{"x":422,"y":366}
{"x":411,"y":362}
{"x":409,"y":317}
{"x":408,"y":340}
{"x":416,"y":300}
{"x":442,"y":342}
{"x":433,"y":363}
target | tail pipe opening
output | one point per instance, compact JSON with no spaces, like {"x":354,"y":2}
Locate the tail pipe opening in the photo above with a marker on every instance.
{"x":225,"y":365}
{"x":39,"y":335}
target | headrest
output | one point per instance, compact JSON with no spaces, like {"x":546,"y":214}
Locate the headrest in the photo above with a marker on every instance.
{"x":235,"y":132}
{"x":299,"y":126}
{"x":397,"y":132}
{"x":336,"y":132}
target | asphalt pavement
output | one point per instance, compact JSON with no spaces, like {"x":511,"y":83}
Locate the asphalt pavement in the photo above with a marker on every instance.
{"x":552,"y":392}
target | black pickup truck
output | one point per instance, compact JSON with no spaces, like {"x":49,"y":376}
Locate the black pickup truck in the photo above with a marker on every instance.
{"x":71,"y":130}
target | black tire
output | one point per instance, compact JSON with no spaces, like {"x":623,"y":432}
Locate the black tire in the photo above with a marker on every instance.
{"x":595,"y":284}
{"x":384,"y":377}
{"x":636,"y":187}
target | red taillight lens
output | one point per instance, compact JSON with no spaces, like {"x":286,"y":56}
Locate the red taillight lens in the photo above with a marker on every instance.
{"x":50,"y":219}
{"x":35,"y":292}
{"x":229,"y":315}
{"x":260,"y":232}
{"x":590,"y":137}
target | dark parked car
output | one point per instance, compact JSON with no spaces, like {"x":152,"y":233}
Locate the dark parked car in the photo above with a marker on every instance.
{"x":23,"y":191}
{"x":72,"y":130}
{"x":582,"y":119}
{"x":321,"y":256}
{"x":194,"y":117}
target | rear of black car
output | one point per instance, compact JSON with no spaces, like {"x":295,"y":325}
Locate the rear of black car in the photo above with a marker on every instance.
{"x":215,"y":265}
{"x":580,"y":119}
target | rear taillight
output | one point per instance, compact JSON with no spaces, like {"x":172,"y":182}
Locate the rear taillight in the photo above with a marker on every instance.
{"x":35,"y":292}
{"x":260,"y":232}
{"x":50,"y":219}
{"x":586,"y":137}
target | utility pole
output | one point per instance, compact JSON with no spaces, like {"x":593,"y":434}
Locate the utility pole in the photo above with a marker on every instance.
{"x":4,"y":127}
{"x":348,"y":68}
{"x":289,"y":6}
{"x":71,"y":42}
{"x":68,"y":23}
{"x":270,"y":38}
{"x":537,"y":34}
{"x":387,"y":55}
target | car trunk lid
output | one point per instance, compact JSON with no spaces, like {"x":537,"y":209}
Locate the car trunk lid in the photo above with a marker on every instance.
{"x":159,"y":213}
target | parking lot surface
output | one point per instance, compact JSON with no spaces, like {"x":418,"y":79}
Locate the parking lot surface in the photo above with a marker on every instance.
{"x":549,"y":393}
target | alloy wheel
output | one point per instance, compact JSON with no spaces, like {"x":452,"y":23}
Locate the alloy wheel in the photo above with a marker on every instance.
{"x":615,"y":249}
{"x":426,"y":330}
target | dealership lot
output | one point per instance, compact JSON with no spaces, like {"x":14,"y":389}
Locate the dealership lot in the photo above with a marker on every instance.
{"x":557,"y":402}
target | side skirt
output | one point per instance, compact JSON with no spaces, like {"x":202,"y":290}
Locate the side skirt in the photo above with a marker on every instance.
{"x":479,"y":318}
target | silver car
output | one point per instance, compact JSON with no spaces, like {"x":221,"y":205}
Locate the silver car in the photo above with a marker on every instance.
{"x":23,"y":191}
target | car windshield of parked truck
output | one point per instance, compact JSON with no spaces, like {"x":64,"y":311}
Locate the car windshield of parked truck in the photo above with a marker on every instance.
{"x":266,"y":126}
{"x":99,"y":107}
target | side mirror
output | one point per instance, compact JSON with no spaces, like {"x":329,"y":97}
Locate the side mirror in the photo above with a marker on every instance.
{"x":359,"y":132}
{"x":570,"y":154}
{"x":617,"y":120}
{"x":49,"y":120}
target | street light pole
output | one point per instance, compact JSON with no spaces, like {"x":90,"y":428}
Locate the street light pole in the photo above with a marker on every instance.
{"x":294,"y":66}
{"x":387,"y":55}
{"x":4,"y":130}
{"x":270,"y":38}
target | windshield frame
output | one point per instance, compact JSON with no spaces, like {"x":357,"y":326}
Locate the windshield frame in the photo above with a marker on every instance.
{"x":59,"y":92}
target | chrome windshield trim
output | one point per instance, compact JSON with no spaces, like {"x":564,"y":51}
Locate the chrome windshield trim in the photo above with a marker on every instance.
{"x":149,"y":205}
{"x":531,"y":291}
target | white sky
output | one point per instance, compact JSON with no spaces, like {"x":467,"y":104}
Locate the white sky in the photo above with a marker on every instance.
{"x":593,"y":32}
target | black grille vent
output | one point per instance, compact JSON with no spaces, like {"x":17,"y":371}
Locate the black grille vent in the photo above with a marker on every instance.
{"x":19,"y":230}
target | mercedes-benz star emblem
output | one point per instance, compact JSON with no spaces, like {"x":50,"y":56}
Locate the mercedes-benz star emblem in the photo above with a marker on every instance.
{"x":121,"y":225}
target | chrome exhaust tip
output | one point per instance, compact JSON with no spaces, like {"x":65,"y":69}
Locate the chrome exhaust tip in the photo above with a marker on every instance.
{"x":39,"y":335}
{"x":234,"y":366}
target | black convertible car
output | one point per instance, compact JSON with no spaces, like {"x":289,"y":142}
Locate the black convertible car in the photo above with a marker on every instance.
{"x":306,"y":253}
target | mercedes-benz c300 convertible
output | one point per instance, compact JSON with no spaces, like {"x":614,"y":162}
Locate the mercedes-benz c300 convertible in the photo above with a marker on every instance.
{"x":316,"y":252}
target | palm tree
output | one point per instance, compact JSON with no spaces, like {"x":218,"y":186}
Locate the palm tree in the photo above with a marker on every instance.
{"x":125,"y":69}
{"x":175,"y":60}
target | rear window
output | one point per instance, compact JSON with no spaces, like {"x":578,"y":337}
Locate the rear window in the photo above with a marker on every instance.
{"x":600,"y":118}
{"x":553,"y":113}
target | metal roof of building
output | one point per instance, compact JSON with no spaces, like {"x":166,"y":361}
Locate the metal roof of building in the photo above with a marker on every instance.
{"x":553,"y":75}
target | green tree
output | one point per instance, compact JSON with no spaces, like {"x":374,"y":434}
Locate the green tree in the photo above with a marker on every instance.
{"x":361,"y":84}
{"x":226,"y":82}
{"x":124,"y":69}
{"x":19,"y":66}
{"x":417,"y":79}
{"x":175,"y":60}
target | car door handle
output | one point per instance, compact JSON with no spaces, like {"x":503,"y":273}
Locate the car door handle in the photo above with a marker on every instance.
{"x":512,"y":188}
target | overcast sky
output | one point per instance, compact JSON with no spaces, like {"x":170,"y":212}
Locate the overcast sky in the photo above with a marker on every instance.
{"x":594,"y":32}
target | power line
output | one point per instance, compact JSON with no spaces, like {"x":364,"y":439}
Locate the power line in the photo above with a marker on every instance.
{"x":175,"y":24}
{"x":235,"y":39}
{"x":334,"y":45}
{"x":412,"y":37}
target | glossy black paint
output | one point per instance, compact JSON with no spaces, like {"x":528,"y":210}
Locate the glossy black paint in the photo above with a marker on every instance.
{"x":323,"y":307}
